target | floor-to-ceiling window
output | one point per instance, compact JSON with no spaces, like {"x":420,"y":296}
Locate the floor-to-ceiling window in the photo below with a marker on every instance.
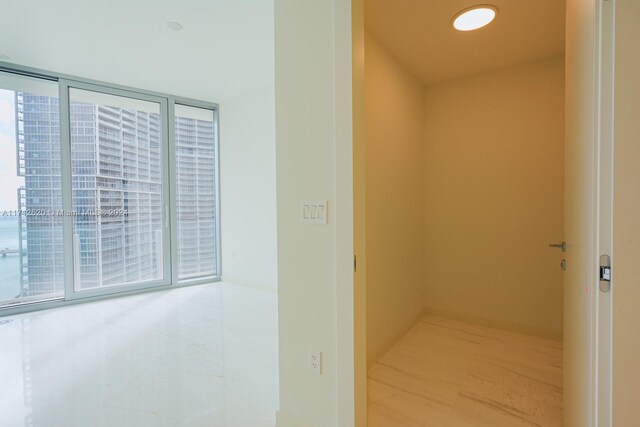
{"x":31,"y":254}
{"x":195,"y":154}
{"x":104,"y":189}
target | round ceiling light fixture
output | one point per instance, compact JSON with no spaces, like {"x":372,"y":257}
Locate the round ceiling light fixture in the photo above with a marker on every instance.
{"x":175,"y":26}
{"x":474,"y":17}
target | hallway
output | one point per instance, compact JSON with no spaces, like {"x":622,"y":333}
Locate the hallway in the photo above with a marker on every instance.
{"x":445,"y":373}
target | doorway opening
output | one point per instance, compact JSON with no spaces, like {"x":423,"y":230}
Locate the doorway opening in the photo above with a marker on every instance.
{"x":464,"y":172}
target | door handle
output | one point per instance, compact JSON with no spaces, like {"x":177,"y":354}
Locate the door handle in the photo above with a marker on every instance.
{"x":562,"y":246}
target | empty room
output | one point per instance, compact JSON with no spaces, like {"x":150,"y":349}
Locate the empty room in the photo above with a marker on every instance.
{"x":464,"y":170}
{"x":114,"y":204}
{"x":495,"y":205}
{"x":319,"y":213}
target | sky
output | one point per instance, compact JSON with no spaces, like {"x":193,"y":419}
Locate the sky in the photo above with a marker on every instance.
{"x":9,"y":180}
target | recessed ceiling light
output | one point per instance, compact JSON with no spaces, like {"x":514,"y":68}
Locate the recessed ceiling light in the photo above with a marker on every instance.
{"x":175,"y":26}
{"x":474,"y":17}
{"x":4,"y":57}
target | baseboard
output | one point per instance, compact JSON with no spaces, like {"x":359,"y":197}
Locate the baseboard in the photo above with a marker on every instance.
{"x":285,"y":420}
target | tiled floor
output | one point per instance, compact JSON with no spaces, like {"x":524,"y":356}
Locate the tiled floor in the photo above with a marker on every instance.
{"x":451,"y":374}
{"x":197,"y":356}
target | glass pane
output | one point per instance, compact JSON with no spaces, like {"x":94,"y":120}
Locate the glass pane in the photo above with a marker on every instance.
{"x":31,"y":250}
{"x":196,"y":132}
{"x":116,"y":159}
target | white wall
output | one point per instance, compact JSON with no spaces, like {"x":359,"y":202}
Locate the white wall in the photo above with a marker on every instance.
{"x":313,"y":158}
{"x":225,"y":48}
{"x":248,"y":189}
{"x":358,"y":298}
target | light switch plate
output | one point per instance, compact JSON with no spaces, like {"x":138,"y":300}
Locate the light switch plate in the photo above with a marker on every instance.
{"x":313,"y":212}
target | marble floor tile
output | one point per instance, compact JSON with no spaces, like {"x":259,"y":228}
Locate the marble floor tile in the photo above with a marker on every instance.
{"x":446,"y":373}
{"x":183,"y":357}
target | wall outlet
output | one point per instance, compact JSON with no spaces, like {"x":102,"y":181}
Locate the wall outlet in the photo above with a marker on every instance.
{"x":315,"y":361}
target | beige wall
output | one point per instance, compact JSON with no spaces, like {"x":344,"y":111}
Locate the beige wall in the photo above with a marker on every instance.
{"x":494,"y":197}
{"x":394,"y":198}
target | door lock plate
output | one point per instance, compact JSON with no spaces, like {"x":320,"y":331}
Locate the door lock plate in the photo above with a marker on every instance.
{"x":605,"y":273}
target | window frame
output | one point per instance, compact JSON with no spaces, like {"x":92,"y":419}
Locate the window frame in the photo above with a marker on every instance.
{"x":167,"y":104}
{"x":173,"y":190}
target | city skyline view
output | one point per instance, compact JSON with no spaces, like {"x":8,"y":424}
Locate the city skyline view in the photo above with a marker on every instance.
{"x":8,"y":199}
{"x":117,"y":193}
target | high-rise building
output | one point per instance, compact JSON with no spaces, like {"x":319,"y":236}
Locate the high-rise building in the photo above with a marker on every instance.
{"x":117,"y":172}
{"x":38,"y":161}
{"x":196,"y":202}
{"x":116,"y":156}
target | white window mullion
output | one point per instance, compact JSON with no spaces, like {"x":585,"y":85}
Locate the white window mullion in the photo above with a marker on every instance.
{"x":71,"y":257}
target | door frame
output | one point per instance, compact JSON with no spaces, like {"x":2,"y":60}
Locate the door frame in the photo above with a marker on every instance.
{"x":601,"y":414}
{"x":600,"y":398}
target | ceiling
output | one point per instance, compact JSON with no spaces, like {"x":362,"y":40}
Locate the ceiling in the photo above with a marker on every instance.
{"x":225,"y":48}
{"x":419,"y":34}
